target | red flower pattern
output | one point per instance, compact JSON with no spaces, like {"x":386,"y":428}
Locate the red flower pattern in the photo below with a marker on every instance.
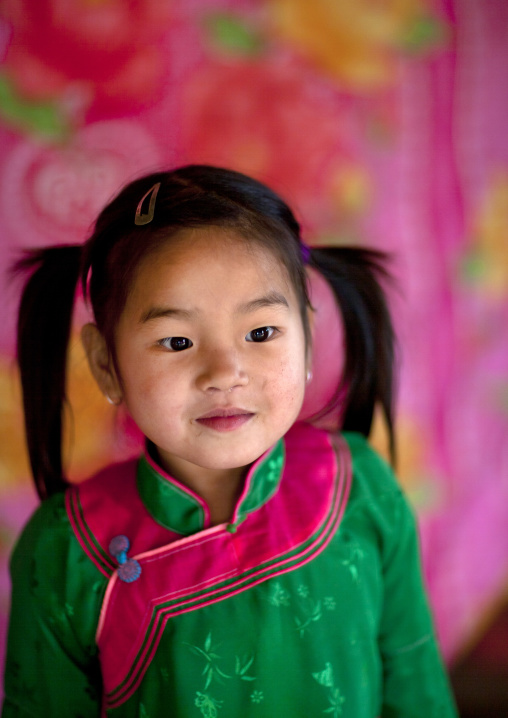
{"x":269,"y":121}
{"x":105,"y":50}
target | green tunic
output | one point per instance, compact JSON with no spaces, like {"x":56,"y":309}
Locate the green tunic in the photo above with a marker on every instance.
{"x":346,"y":632}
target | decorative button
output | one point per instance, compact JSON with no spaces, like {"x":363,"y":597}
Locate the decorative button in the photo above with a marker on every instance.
{"x":129,"y":569}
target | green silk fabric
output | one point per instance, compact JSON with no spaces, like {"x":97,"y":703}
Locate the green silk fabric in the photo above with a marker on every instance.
{"x":346,"y":635}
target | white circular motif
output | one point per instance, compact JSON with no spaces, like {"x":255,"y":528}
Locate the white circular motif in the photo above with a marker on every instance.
{"x":52,"y":193}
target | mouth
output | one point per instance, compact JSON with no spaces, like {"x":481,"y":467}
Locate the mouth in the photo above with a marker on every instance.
{"x":225,"y":419}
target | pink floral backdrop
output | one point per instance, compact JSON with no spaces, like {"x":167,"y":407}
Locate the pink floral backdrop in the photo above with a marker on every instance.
{"x":382,"y":123}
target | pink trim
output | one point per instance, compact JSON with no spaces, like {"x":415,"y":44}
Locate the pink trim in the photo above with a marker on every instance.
{"x":177,"y":546}
{"x":174,"y":571}
{"x":105,"y":602}
{"x":181,"y":487}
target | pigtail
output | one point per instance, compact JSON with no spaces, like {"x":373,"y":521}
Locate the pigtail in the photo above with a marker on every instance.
{"x":44,"y":324}
{"x":356,"y":277}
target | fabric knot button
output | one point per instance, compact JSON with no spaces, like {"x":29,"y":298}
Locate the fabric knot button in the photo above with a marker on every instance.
{"x":129,"y":569}
{"x":119,"y":545}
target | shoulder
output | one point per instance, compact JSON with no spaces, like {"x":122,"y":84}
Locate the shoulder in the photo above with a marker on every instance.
{"x":369,"y":465}
{"x":49,"y":526}
{"x":46,"y":529}
{"x":53,"y":580}
{"x":373,"y":478}
{"x":47,"y":556}
{"x":376,"y":497}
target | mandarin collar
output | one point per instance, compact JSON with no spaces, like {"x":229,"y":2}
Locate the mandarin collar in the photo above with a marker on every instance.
{"x":182,"y":511}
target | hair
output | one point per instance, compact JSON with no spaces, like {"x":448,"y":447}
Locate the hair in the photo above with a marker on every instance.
{"x":189,"y":197}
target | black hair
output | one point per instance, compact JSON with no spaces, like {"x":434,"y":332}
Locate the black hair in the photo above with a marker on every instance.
{"x":188,"y":197}
{"x":357,"y":276}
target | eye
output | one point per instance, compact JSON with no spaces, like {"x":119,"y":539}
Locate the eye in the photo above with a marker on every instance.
{"x":262,"y":334}
{"x":176,"y":344}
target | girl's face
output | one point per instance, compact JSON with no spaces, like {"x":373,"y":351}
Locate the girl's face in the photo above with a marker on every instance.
{"x":211,"y":352}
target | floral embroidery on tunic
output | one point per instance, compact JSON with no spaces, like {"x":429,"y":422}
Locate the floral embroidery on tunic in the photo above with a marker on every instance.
{"x":326,"y":679}
{"x":308,"y":610}
{"x":354,"y":555}
{"x":211,"y":671}
{"x":278,"y":596}
{"x":241,"y":668}
{"x":311,"y":611}
{"x":207,"y":704}
{"x":274,"y":468}
{"x":257,"y":697}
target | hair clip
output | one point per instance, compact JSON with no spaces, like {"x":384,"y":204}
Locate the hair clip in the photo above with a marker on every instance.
{"x":147,"y":218}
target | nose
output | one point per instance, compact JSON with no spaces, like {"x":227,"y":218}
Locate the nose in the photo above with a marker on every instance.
{"x":222,"y":370}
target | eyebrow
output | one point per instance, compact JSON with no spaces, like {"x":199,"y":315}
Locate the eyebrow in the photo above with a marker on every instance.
{"x":164,"y":312}
{"x":269,"y":300}
{"x":272,"y":299}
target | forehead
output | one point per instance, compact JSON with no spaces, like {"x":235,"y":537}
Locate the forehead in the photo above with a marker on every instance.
{"x":208,"y":265}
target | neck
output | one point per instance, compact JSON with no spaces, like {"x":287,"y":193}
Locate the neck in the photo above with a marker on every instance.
{"x":220,"y":489}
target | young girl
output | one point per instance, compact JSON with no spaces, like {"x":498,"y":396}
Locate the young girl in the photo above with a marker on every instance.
{"x":248,"y":564}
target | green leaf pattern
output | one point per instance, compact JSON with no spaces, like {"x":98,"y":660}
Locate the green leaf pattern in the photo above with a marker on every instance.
{"x":241,"y":668}
{"x":353,"y":556}
{"x":207,"y":704}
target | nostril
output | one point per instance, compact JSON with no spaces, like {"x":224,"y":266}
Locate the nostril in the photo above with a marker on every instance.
{"x":222,"y":375}
{"x":224,"y":388}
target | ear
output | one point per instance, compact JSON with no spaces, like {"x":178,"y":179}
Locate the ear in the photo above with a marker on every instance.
{"x":328,"y":355}
{"x":310,"y":319}
{"x":100,"y":363}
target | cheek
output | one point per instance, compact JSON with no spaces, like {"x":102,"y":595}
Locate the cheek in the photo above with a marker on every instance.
{"x":289,"y":383}
{"x":142,"y":389}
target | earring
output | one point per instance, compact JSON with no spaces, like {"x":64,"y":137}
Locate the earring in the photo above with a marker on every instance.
{"x":112,"y":401}
{"x":308,"y":378}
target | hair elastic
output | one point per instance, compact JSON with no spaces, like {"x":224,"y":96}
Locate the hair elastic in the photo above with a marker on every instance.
{"x":305,"y":251}
{"x":139,"y":218}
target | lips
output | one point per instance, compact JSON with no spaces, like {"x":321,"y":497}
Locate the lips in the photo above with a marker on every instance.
{"x":225,"y":419}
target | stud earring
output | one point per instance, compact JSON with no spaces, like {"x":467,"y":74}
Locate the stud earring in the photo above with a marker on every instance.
{"x":308,"y":378}
{"x":112,"y":401}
